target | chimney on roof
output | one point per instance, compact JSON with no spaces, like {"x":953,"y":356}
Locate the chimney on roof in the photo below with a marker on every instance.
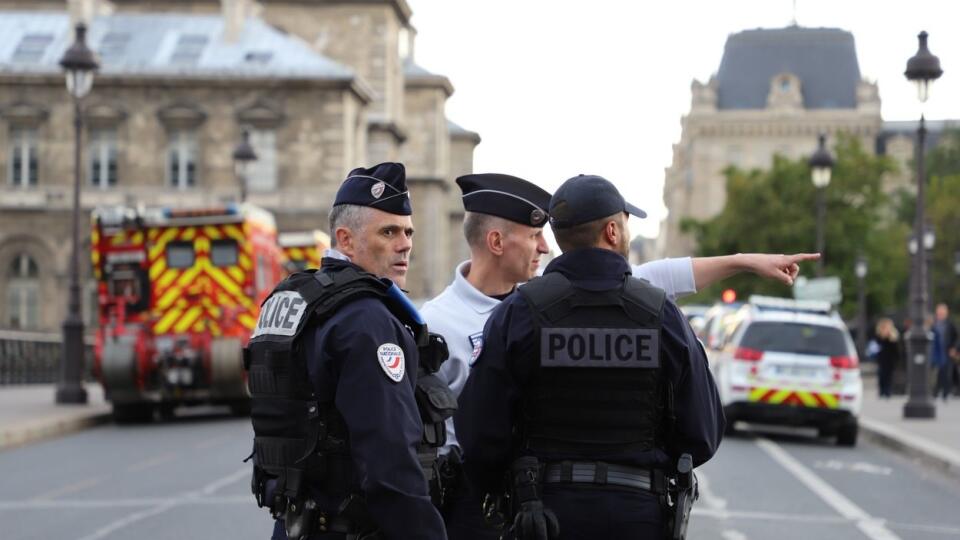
{"x":235,"y":15}
{"x":85,"y":10}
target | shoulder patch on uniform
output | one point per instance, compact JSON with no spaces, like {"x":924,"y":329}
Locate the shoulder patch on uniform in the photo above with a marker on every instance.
{"x":476,"y":341}
{"x":281,"y":314}
{"x":392,"y":361}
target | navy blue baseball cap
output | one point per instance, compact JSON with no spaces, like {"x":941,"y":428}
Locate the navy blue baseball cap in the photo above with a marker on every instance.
{"x":505,"y":196}
{"x":382,"y":186}
{"x":585,"y":198}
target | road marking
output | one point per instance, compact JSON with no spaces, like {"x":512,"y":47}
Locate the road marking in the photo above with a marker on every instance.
{"x":188,"y":497}
{"x":152,"y":462}
{"x":733,"y":535}
{"x":69,"y":488}
{"x":872,"y":527}
{"x":859,"y":466}
{"x":767,"y":516}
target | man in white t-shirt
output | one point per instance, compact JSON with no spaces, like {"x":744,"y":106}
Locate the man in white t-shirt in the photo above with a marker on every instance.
{"x":503,"y":225}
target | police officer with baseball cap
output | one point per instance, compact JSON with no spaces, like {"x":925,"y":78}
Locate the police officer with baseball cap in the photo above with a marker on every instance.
{"x":336,"y":366}
{"x":589,"y":389}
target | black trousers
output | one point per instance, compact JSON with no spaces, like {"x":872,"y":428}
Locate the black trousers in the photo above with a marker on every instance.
{"x":590,"y":512}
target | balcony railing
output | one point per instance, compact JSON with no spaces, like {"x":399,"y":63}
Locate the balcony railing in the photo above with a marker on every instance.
{"x":34,"y":358}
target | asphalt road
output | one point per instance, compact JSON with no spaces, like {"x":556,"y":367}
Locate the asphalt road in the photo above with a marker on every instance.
{"x":185,"y":479}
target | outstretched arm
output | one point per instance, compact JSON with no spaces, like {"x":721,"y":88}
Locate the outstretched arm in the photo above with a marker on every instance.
{"x":783,"y":268}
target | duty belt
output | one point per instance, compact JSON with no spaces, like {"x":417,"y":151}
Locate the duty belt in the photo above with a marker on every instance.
{"x":597,"y":473}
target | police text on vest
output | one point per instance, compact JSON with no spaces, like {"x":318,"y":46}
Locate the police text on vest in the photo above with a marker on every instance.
{"x":600,"y":347}
{"x":281,"y":314}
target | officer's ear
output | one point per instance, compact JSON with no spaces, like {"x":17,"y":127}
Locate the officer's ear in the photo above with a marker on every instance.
{"x":345,"y":240}
{"x":611,"y":233}
{"x":495,"y":241}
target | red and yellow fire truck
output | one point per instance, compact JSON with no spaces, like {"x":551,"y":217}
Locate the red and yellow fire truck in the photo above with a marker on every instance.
{"x":303,"y":249}
{"x":179,"y":294}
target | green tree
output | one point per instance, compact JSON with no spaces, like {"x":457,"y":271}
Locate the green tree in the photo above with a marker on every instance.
{"x":774,"y":211}
{"x":943,"y":210}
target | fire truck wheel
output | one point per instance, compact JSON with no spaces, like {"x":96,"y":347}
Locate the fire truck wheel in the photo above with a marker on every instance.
{"x":132,"y":413}
{"x":166,"y":411}
{"x":227,"y":377}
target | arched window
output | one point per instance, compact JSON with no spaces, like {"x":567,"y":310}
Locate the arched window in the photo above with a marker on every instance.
{"x":23,"y":293}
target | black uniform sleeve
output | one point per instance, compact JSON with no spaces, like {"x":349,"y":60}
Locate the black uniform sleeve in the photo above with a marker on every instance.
{"x":383,"y":421}
{"x":488,"y":404}
{"x":699,"y":413}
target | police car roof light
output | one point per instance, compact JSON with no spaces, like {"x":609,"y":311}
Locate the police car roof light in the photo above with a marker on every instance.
{"x":788,"y":304}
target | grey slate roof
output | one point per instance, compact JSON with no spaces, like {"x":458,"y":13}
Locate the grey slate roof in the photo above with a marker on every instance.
{"x":162,"y":44}
{"x":458,"y":131}
{"x":935,"y":130}
{"x":825,"y":60}
{"x":413,"y":69}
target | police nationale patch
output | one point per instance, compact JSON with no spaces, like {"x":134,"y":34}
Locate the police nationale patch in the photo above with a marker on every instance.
{"x":377,"y":190}
{"x":476,"y":341}
{"x":392,"y":361}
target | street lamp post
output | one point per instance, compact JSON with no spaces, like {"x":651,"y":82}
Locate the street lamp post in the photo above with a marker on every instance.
{"x":861,"y":270}
{"x":243,"y":156}
{"x":923,"y":69}
{"x":821,"y":168}
{"x":79,"y":63}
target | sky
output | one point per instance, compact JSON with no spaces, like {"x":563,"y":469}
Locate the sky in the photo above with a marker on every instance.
{"x":558,"y":88}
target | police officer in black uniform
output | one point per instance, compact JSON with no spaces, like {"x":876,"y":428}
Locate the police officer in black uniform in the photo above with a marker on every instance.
{"x":333,"y":370}
{"x":589,"y":389}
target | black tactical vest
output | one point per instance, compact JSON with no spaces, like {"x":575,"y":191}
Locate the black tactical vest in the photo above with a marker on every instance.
{"x":300,"y":438}
{"x":600,"y":386}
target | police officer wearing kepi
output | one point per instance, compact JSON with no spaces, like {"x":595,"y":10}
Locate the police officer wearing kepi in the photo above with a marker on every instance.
{"x":503,"y":226}
{"x":591,"y":399}
{"x":504,"y":221}
{"x":337,"y":405}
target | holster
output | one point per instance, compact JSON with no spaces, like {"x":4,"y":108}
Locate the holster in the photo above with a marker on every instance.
{"x":682,"y":492}
{"x":445,"y":481}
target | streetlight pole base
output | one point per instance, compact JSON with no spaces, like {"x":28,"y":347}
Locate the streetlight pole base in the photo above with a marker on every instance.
{"x":71,"y":395}
{"x":919,"y":409}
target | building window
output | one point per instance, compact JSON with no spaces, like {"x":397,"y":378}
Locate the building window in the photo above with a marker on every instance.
{"x":182,"y":159}
{"x":262,"y":173}
{"x":188,"y":50}
{"x":31,"y":48}
{"x":23,"y":293}
{"x":113,"y":47}
{"x":103,"y":158}
{"x":23,"y":157}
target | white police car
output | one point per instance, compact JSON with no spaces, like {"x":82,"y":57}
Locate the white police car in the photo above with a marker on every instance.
{"x":790,"y":362}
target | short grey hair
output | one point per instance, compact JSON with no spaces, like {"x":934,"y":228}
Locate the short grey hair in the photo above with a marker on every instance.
{"x":350,"y":216}
{"x":477,"y":225}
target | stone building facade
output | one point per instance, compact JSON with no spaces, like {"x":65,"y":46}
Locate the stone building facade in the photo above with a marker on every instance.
{"x":775,"y":91}
{"x":323,"y":86}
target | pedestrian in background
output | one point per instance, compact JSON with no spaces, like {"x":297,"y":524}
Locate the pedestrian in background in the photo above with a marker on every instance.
{"x":889,"y":354}
{"x":944,"y":349}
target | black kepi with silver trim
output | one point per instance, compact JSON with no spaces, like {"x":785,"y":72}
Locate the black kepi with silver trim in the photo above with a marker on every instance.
{"x":505,"y":196}
{"x":382,"y":186}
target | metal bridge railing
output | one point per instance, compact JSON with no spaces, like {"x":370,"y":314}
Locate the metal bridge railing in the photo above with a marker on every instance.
{"x":34,"y":357}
